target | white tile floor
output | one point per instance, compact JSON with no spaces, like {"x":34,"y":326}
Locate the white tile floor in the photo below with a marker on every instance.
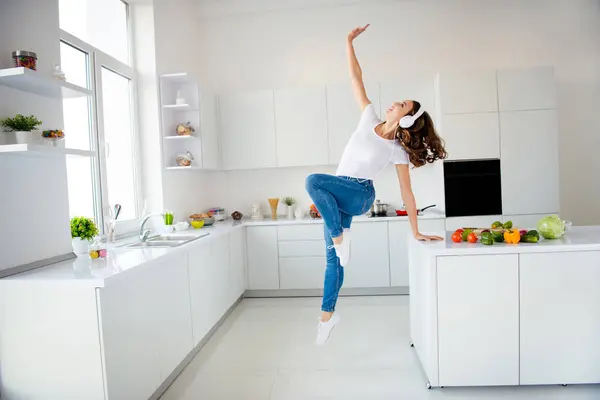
{"x":265,"y":351}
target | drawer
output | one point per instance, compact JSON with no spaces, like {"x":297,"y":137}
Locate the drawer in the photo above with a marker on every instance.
{"x":302,"y":273}
{"x":301,"y":232}
{"x":308,"y":248}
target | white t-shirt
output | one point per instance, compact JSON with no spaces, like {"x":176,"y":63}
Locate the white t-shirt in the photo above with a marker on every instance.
{"x":367,"y":153}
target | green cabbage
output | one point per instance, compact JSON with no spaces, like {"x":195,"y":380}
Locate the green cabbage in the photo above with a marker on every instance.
{"x":551,"y":227}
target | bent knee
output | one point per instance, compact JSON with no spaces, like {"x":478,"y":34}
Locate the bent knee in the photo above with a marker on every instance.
{"x":312,"y":181}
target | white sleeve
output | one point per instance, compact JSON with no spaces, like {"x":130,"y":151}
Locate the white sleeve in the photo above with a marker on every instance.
{"x":400,"y":156}
{"x":369,"y":116}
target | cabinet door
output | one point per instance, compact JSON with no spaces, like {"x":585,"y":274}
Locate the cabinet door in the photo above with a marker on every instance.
{"x":529,"y":147}
{"x":263,"y":258}
{"x":420,"y":88}
{"x":471,"y":136}
{"x":302,"y":272}
{"x":248,"y":130}
{"x":343,"y":115}
{"x":369,"y":265}
{"x":478,"y":320}
{"x":301,"y":126}
{"x":209,"y":132}
{"x":221,"y":281}
{"x":174,"y":315}
{"x":560,"y":318}
{"x":201,"y":288}
{"x":399,"y":235}
{"x":527,"y":89}
{"x":237,"y":263}
{"x":467,"y":92}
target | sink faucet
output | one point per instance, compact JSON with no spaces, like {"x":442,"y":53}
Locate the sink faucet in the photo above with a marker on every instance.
{"x":145,"y":233}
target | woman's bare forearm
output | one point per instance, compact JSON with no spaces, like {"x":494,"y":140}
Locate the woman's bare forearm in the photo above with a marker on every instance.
{"x":411,"y":209}
{"x":353,"y":64}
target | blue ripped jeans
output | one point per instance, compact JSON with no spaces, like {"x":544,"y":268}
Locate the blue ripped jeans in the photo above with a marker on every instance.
{"x":338,"y":199}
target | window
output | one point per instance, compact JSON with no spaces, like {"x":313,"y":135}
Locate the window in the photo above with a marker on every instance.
{"x":105,"y":123}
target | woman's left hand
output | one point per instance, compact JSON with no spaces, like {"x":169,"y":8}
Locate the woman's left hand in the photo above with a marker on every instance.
{"x":426,"y":238}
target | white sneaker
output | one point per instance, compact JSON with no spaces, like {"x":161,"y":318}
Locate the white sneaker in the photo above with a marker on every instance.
{"x":343,"y":249}
{"x":324,"y":329}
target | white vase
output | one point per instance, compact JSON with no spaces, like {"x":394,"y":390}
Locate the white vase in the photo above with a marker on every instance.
{"x":22,"y":137}
{"x":80,"y":246}
{"x":299,"y":213}
{"x":290,"y":212}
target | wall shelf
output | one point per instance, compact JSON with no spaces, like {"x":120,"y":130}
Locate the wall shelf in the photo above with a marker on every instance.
{"x":179,"y":78}
{"x":179,"y":107}
{"x":34,"y":82}
{"x":35,"y":150}
{"x":183,"y":137}
{"x":182,"y":168}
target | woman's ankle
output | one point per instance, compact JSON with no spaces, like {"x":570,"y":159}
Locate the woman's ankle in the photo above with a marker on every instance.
{"x":326,"y":316}
{"x":338,"y":239}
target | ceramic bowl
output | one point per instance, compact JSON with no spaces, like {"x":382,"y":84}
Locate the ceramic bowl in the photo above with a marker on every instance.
{"x":197,"y":224}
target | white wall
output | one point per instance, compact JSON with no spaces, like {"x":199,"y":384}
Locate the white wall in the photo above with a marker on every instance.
{"x":275,"y":43}
{"x":34,"y":207}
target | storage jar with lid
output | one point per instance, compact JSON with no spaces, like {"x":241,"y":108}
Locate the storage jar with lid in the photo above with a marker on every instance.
{"x":27,"y":59}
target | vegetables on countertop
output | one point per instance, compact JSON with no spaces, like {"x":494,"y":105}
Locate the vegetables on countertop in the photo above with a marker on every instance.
{"x":530,"y":236}
{"x":512,"y":236}
{"x":487,"y":238}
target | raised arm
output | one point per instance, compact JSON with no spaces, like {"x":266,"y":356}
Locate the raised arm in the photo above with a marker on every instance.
{"x":409,"y":202}
{"x":355,"y":71}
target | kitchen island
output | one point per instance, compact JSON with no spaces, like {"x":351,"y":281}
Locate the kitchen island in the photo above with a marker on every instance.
{"x":525,"y":314}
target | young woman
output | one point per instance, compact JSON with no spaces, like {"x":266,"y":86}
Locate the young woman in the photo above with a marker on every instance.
{"x":406,"y":136}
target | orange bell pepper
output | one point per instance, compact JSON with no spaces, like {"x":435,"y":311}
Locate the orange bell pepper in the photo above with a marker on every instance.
{"x":512,"y":236}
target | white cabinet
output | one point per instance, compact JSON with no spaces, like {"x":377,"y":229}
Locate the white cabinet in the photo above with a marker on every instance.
{"x":369,"y":265}
{"x":419,"y":88}
{"x":301,"y":126}
{"x":527,"y":89}
{"x":560,"y":318}
{"x":467,"y":92}
{"x":343,"y":115}
{"x":220,"y":276}
{"x":263,"y":258}
{"x":529,"y":148}
{"x":201,"y":289}
{"x":471,"y":136}
{"x":237,"y":263}
{"x":146,"y":327}
{"x":248,"y":130}
{"x":482,"y":221}
{"x":302,"y":272}
{"x":484,"y":350}
{"x":209,"y":131}
{"x":398,"y":237}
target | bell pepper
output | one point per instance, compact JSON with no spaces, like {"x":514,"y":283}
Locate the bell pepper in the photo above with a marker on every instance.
{"x":498,"y":237}
{"x":512,"y":236}
{"x":507,"y":225}
{"x":487,"y":238}
{"x":497,"y":224}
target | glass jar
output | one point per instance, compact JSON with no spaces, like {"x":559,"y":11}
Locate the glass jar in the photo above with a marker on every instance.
{"x":184,"y":159}
{"x":27,"y":59}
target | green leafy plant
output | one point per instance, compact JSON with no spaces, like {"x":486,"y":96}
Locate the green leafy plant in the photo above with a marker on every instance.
{"x":83,"y":227}
{"x":20,"y":123}
{"x":288,"y":201}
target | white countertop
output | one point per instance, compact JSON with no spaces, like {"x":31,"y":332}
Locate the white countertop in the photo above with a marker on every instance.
{"x":122,"y":260}
{"x":580,"y":238}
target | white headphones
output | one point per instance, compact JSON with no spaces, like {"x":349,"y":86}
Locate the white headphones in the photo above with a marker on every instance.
{"x":408,"y":120}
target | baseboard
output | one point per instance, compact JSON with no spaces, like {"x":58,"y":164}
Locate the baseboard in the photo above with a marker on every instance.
{"x":188,"y":359}
{"x":385,"y":291}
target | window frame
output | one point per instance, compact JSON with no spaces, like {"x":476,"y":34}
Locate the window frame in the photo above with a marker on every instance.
{"x":97,"y":60}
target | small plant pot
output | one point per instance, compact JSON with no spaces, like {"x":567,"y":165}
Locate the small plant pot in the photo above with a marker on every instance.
{"x":80,"y":246}
{"x":290,"y":212}
{"x":22,"y":137}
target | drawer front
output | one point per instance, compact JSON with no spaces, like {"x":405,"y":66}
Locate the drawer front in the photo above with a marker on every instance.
{"x":308,"y":248}
{"x":302,"y":272}
{"x":301,"y":232}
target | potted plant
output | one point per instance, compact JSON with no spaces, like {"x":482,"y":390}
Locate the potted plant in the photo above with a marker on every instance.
{"x":20,"y":129}
{"x":289,"y":202}
{"x":83,"y":231}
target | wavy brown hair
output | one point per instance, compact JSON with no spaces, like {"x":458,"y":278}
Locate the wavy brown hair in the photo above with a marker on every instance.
{"x":421,"y":141}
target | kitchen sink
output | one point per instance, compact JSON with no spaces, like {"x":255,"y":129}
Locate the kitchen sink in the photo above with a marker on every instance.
{"x":165,"y":241}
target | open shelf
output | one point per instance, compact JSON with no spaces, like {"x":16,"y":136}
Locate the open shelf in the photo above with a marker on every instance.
{"x":34,"y":82}
{"x":179,"y":78}
{"x":182,"y":137}
{"x":181,"y":168}
{"x":179,"y":107}
{"x":36,"y":150}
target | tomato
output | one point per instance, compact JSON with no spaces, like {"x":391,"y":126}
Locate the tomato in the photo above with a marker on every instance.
{"x":472,"y":238}
{"x":456,"y":237}
{"x":460,"y":231}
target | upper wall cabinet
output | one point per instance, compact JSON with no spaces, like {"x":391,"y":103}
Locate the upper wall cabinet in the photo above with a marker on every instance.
{"x":248,"y":130}
{"x":421,"y":89}
{"x":343,"y":115}
{"x":209,"y":131}
{"x":471,"y":136}
{"x":301,"y":127}
{"x":527,"y":89}
{"x":467,"y":92}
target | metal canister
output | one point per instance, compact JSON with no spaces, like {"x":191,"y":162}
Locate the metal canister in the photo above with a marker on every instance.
{"x":23,"y":58}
